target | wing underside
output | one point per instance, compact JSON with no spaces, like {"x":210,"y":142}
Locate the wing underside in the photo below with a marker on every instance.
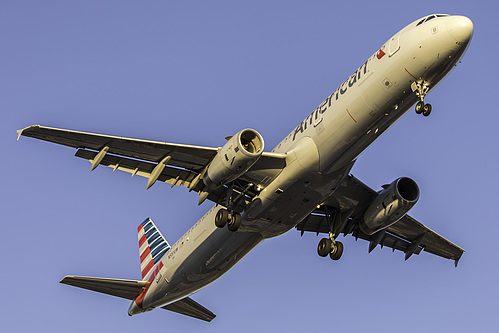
{"x":343,"y":210}
{"x":183,"y":164}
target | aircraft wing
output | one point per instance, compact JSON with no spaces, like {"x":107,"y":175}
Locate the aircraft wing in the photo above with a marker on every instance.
{"x":351,"y":199}
{"x":179,"y":164}
{"x":130,"y":289}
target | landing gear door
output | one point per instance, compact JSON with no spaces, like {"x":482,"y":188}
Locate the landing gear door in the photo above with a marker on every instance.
{"x":394,"y":44}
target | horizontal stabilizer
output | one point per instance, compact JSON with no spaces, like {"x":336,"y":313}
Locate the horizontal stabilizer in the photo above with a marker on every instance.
{"x":189,"y":307}
{"x":128,"y":289}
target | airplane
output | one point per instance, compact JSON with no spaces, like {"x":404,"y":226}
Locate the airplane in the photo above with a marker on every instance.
{"x":303,"y":183}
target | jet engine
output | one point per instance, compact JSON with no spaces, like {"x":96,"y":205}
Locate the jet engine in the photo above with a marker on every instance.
{"x":391,"y":204}
{"x":236,"y":157}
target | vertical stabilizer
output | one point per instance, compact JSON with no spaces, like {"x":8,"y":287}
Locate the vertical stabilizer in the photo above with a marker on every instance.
{"x":152,"y":246}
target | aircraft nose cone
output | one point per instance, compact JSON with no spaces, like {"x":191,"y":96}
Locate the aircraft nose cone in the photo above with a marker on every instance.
{"x":461,"y":29}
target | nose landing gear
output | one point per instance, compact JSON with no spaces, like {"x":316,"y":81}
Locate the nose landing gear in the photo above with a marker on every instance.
{"x":421,"y":89}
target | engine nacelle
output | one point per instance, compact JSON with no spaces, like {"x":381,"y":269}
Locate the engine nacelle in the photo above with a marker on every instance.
{"x":390,"y":205}
{"x":235,"y":158}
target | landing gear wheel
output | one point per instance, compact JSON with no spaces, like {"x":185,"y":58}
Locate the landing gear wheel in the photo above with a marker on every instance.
{"x":324,"y":247}
{"x":221,"y":218}
{"x":421,"y":88}
{"x":426,"y":110}
{"x":419,"y":107}
{"x":337,"y":252}
{"x":235,"y":222}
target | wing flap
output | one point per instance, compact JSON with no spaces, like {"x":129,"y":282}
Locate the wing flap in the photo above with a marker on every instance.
{"x":128,"y":289}
{"x":188,"y":307}
{"x":173,"y":176}
{"x":169,"y":175}
{"x":409,"y":228}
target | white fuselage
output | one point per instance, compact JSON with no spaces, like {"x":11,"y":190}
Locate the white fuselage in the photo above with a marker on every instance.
{"x":320,"y":152}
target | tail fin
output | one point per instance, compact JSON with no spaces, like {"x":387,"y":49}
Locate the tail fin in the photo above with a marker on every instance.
{"x":152,"y":246}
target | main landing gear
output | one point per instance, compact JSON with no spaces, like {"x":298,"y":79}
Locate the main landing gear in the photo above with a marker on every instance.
{"x":223,"y":217}
{"x":330,"y":246}
{"x":421,"y":89}
{"x":336,"y":221}
{"x":228,"y":216}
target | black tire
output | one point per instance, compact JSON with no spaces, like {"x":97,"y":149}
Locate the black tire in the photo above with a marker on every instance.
{"x":427,"y":110}
{"x":419,"y":107}
{"x":221,"y":218}
{"x":324,"y":247}
{"x":338,"y":252}
{"x":235,"y":222}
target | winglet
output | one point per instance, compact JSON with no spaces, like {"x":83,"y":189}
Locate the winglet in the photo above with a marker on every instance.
{"x":456,"y":261}
{"x":20,"y":132}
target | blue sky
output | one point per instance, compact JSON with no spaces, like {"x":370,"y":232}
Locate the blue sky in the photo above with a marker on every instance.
{"x":195,"y":72}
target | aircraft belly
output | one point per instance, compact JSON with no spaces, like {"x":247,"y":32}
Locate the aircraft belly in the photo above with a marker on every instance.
{"x":204,"y":263}
{"x":288,"y":208}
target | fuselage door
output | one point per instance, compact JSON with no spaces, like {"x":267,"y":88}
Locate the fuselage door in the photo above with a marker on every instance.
{"x":394,"y":44}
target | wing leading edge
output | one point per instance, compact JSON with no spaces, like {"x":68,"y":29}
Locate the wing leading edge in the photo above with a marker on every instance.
{"x":347,"y":205}
{"x":176,"y":164}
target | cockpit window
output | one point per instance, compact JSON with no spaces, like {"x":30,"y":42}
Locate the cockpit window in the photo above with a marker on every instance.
{"x":430,"y":18}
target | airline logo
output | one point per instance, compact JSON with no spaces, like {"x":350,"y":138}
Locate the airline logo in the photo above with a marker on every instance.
{"x":152,"y":246}
{"x":380,"y":54}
